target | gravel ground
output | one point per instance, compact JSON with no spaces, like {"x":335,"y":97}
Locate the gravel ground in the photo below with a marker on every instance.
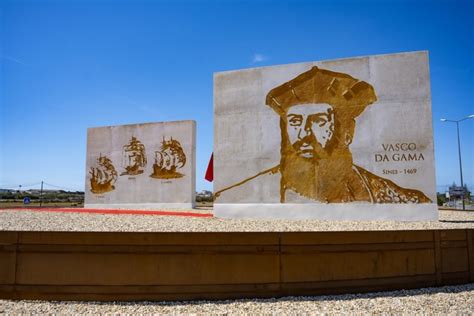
{"x":452,"y":300}
{"x":54,"y":221}
{"x":443,"y":300}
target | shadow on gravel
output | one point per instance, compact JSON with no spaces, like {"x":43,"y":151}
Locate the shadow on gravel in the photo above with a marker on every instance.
{"x":340,"y":297}
{"x":447,"y":221}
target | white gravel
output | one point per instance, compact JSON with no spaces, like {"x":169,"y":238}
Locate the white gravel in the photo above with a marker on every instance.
{"x":452,"y":300}
{"x":54,"y":221}
{"x":444,"y":300}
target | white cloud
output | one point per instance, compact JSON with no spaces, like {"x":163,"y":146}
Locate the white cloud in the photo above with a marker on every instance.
{"x":258,"y":58}
{"x":15,"y":60}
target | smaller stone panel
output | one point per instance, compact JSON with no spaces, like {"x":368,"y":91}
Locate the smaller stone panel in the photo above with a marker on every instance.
{"x":141,"y":166}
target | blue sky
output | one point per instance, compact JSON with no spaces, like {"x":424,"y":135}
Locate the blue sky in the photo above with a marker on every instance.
{"x":69,"y":65}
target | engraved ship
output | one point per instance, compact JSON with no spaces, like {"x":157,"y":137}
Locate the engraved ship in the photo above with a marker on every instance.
{"x":104,"y":176}
{"x":168,"y":159}
{"x":134,"y":157}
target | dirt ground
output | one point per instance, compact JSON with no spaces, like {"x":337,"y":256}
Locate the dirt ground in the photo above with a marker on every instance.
{"x":37,"y":204}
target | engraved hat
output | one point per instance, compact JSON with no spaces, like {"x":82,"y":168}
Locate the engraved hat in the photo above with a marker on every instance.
{"x":317,"y":85}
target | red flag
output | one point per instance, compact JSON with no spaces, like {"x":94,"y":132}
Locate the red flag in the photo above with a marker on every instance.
{"x":210,"y":170}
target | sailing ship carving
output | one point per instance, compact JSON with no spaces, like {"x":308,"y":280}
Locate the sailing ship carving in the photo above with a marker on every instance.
{"x":103,"y":176}
{"x":134,"y":157}
{"x":168,"y":159}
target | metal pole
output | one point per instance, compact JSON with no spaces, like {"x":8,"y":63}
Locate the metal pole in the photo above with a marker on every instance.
{"x":41,"y":194}
{"x":460,"y":167}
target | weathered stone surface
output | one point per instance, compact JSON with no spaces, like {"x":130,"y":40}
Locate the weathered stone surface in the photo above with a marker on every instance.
{"x":141,"y":166}
{"x":285,"y":143}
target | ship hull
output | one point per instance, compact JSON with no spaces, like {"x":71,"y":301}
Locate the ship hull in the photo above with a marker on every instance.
{"x":99,"y":188}
{"x":161,"y":173}
{"x":132,"y":171}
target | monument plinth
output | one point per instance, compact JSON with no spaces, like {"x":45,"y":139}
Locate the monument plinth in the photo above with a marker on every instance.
{"x":141,"y":166}
{"x":347,"y":139}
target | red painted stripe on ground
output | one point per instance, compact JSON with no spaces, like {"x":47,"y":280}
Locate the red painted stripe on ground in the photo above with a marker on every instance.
{"x":111,"y":211}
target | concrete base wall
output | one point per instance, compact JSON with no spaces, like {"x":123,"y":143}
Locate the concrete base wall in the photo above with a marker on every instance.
{"x":188,"y":266}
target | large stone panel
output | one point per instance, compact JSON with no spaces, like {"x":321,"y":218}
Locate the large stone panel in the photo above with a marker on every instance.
{"x":343,"y":139}
{"x":141,"y":166}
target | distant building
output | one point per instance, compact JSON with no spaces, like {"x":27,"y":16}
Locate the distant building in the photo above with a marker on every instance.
{"x":204,"y":196}
{"x":205,"y":193}
{"x":457,"y":192}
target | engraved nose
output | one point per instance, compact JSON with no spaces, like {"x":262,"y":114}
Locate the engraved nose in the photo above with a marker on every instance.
{"x":304,"y":132}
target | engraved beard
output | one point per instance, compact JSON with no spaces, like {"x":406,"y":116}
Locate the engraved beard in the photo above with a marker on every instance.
{"x":326,"y":176}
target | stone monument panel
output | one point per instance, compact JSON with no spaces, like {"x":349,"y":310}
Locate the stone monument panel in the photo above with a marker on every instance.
{"x":347,"y":139}
{"x":141,"y":166}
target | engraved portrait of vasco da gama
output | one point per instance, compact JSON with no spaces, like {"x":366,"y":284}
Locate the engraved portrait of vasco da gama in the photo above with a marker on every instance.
{"x":317,"y":111}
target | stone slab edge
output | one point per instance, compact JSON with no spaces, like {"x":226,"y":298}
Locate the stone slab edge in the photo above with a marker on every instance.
{"x":333,"y":211}
{"x":142,"y":206}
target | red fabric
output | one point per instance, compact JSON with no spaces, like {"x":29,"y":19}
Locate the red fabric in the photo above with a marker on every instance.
{"x":210,"y":170}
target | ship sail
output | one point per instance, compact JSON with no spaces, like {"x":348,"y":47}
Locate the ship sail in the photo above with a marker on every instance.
{"x":134,"y":157}
{"x":103,"y":176}
{"x":168,"y":159}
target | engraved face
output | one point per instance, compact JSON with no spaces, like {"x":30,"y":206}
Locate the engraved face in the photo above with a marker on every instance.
{"x":310,"y":127}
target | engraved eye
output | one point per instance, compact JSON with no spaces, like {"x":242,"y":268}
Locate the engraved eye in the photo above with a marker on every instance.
{"x":321,"y":120}
{"x":295,"y":120}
